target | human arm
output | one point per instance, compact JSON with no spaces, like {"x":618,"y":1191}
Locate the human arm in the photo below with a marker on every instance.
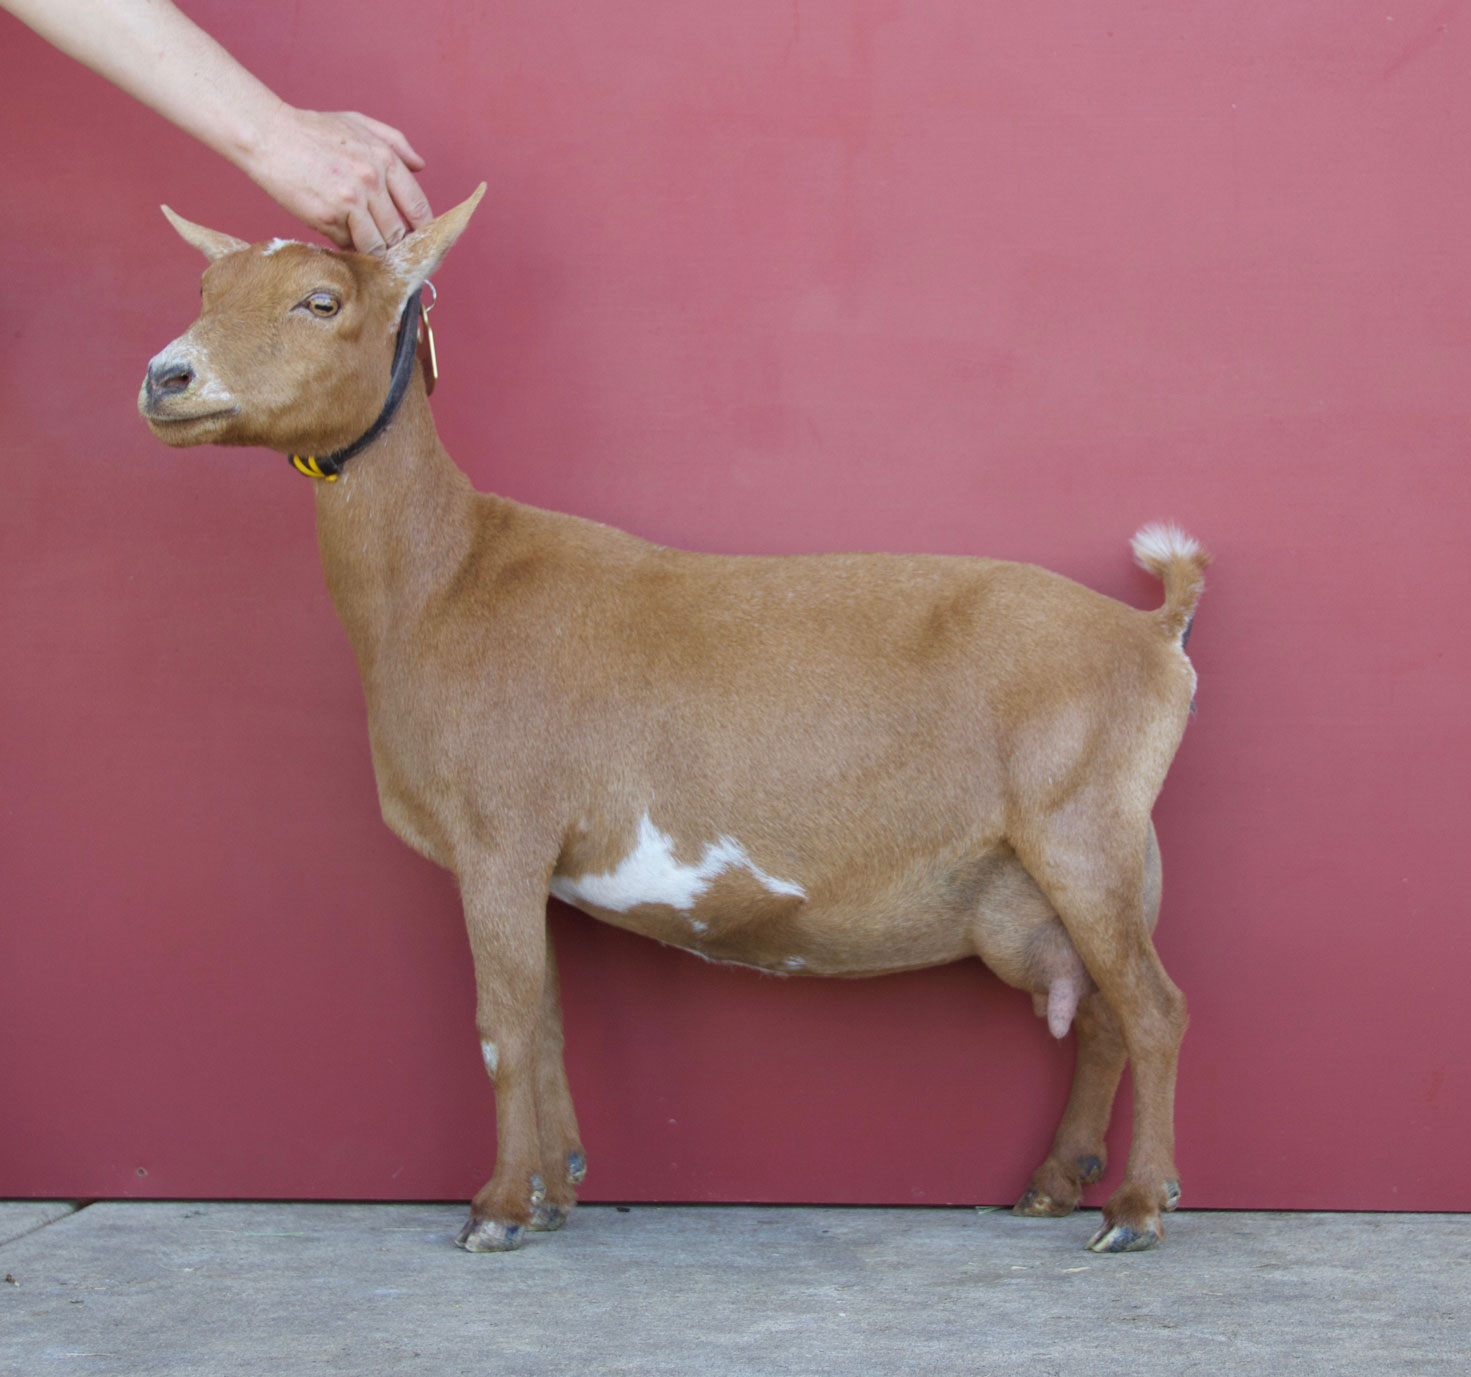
{"x":346,"y":175}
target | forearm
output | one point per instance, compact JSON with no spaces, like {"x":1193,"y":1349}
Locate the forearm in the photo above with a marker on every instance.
{"x":347,"y":175}
{"x":160,"y":56}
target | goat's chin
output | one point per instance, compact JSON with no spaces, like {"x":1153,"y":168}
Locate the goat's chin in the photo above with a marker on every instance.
{"x":183,"y":431}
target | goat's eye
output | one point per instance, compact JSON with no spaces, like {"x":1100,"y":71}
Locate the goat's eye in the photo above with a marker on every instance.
{"x":322,"y":304}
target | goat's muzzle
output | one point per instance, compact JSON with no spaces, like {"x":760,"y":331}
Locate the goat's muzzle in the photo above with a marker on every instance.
{"x":166,"y":378}
{"x":178,"y":405}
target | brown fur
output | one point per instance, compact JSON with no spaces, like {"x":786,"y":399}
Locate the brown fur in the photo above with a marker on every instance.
{"x":949,"y":757}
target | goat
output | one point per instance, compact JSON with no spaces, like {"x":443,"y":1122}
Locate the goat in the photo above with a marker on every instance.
{"x":836,"y":765}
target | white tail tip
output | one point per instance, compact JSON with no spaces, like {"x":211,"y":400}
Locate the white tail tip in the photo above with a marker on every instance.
{"x":1161,"y":543}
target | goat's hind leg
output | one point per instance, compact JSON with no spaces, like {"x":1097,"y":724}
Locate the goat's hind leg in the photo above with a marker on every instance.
{"x":1078,"y":1155}
{"x":1092,"y":865}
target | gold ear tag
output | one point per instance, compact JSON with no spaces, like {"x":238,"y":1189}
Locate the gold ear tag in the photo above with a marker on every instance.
{"x":427,"y":356}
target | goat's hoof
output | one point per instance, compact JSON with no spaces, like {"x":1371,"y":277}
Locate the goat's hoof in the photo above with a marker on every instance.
{"x":546,"y":1217}
{"x":1056,"y":1188}
{"x":1037,"y":1204}
{"x":490,"y":1236}
{"x":1132,"y":1218}
{"x":576,"y":1166}
{"x":1123,"y":1238}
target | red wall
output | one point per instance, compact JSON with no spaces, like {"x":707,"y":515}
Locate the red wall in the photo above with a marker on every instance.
{"x":840,"y":274}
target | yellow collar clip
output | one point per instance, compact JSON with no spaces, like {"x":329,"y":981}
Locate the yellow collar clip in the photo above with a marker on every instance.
{"x":311,"y":468}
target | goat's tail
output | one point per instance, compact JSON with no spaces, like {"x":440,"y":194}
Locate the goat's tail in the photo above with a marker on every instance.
{"x":1179,"y":560}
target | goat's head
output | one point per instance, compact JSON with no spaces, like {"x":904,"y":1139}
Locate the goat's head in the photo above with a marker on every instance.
{"x":292,"y":345}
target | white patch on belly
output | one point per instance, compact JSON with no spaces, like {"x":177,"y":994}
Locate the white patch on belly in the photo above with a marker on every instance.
{"x":649,"y":874}
{"x":492,"y":1056}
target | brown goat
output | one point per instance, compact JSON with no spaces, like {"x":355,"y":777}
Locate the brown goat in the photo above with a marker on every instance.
{"x":835,"y":765}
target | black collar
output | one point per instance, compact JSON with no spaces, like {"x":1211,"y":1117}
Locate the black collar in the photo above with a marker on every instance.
{"x":330,"y":465}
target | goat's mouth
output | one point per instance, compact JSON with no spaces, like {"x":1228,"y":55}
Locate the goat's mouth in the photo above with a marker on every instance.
{"x":164,"y":418}
{"x":178,"y":427}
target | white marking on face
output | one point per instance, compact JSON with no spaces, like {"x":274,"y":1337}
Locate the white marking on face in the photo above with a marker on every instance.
{"x":491,"y":1055}
{"x":276,"y":245}
{"x":650,"y":874}
{"x":187,"y":350}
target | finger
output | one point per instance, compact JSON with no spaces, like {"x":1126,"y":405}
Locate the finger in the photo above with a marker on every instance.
{"x":364,"y":231}
{"x":385,"y":214}
{"x":408,"y":196}
{"x":336,"y":231}
{"x":403,"y":148}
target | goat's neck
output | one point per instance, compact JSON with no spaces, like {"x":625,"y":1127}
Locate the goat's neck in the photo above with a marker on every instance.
{"x":393,"y":528}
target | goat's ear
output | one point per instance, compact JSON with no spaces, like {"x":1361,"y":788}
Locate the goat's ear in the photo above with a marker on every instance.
{"x":211,"y":243}
{"x":417,"y":255}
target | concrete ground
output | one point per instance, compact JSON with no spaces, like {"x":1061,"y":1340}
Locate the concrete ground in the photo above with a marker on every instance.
{"x":216,"y":1290}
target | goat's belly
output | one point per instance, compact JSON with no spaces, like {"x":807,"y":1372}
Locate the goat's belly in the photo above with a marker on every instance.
{"x":740,"y":917}
{"x":864,"y":914}
{"x":935,"y":910}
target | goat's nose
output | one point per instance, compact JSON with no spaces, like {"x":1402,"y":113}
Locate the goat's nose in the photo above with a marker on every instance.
{"x":168,"y":377}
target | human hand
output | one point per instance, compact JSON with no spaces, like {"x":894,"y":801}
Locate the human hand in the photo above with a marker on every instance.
{"x":348,"y":176}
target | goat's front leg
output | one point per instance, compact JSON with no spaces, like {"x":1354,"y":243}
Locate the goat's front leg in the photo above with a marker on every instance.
{"x":563,"y":1160}
{"x":505,"y":915}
